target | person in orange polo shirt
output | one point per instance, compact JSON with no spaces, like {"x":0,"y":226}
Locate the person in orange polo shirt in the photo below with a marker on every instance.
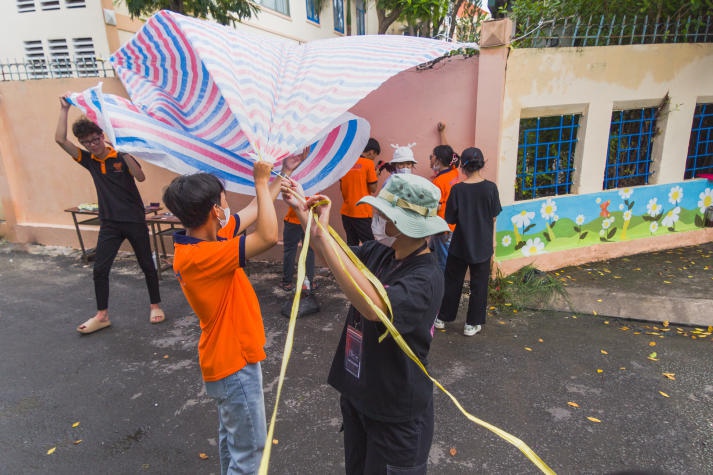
{"x":121,"y":212}
{"x":444,"y":163}
{"x":357,"y":183}
{"x":292,"y":234}
{"x":209,"y":261}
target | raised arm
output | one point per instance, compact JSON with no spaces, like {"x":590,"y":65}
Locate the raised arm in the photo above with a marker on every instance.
{"x":134,"y":167}
{"x":442,"y":133}
{"x":348,"y":276}
{"x":248,"y":215}
{"x":265,"y":235}
{"x":60,"y":134}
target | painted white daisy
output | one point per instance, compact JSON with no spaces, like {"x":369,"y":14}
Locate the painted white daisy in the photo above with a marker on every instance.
{"x":523,"y":218}
{"x":507,"y":240}
{"x":579,"y":219}
{"x":533,"y":247}
{"x":621,"y":206}
{"x":675,"y":195}
{"x":602,"y":233}
{"x":653,"y":207}
{"x":653,"y":227}
{"x":671,"y":217}
{"x":625,"y":193}
{"x":598,"y":200}
{"x":606,"y":223}
{"x":706,"y":200}
{"x":627,"y":215}
{"x":548,"y":209}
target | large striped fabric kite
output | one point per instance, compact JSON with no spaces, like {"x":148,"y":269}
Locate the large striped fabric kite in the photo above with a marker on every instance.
{"x":205,"y":97}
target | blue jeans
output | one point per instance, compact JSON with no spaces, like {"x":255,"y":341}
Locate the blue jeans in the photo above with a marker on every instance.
{"x":242,"y":427}
{"x":440,"y":243}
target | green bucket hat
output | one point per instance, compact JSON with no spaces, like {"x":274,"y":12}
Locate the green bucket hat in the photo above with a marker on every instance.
{"x":411,"y":203}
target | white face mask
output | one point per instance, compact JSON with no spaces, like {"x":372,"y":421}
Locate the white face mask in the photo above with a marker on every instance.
{"x":387,"y":240}
{"x":226,"y":212}
{"x":405,"y":170}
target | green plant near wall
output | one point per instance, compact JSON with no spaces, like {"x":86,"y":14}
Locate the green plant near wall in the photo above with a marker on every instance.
{"x":526,"y":288}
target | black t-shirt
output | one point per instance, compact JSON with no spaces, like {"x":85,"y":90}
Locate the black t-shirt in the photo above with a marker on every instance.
{"x":117,"y":194}
{"x":390,"y":386}
{"x":472,"y":207}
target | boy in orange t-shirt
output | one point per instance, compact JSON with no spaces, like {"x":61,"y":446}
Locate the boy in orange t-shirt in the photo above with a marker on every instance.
{"x":357,"y":183}
{"x":209,"y":258}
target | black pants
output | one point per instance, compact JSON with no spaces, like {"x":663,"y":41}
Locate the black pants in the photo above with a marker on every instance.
{"x":382,"y":448}
{"x":357,"y":230}
{"x":454,"y":276}
{"x":292,"y":234}
{"x":111,"y":235}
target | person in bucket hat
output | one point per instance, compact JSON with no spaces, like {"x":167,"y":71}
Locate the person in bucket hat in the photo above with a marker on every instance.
{"x":386,"y":400}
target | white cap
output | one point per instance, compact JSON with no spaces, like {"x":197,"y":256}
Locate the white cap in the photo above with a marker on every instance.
{"x":403,"y":154}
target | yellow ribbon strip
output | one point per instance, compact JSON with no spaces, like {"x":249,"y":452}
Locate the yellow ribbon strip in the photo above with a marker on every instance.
{"x":390,"y":330}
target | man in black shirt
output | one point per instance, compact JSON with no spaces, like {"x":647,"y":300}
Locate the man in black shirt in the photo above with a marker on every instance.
{"x":121,"y":212}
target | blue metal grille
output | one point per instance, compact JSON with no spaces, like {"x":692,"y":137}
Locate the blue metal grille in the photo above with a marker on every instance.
{"x":545,"y":158}
{"x":312,"y":13}
{"x":629,"y":155}
{"x":700,"y":147}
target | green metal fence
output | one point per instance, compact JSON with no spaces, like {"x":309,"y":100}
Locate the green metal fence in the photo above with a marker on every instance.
{"x":605,"y":31}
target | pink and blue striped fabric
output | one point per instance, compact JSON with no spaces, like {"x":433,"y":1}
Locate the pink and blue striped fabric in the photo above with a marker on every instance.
{"x":205,"y":97}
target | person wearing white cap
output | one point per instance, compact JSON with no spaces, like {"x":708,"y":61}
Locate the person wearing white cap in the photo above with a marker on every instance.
{"x":402,"y":162}
{"x":386,"y":400}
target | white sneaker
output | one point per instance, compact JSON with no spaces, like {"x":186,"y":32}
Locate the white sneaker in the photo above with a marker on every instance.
{"x":470,"y":330}
{"x":439,"y":324}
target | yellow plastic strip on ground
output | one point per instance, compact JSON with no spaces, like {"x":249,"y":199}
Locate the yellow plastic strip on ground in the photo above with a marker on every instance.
{"x":390,"y":329}
{"x":265,"y":461}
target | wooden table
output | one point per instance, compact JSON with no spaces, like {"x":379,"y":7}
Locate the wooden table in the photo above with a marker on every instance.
{"x":156,"y":221}
{"x":88,"y":254}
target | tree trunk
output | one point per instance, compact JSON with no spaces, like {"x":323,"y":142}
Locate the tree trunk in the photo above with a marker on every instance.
{"x":385,"y":20}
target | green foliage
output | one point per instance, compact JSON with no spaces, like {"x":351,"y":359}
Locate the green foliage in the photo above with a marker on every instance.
{"x":549,"y":9}
{"x":222,"y":11}
{"x":526,"y":288}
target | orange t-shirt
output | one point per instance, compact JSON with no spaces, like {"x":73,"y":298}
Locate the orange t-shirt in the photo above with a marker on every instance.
{"x":291,"y":216}
{"x":218,"y":290}
{"x":445,"y":181}
{"x":355,"y":186}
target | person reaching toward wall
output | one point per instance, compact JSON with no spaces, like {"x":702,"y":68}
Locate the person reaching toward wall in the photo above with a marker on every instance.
{"x":444,"y":163}
{"x":121,"y":212}
{"x":472,"y":206}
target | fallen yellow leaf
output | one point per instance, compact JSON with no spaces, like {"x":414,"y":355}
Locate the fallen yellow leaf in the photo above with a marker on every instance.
{"x":652,"y":343}
{"x":203,"y":456}
{"x":666,"y":282}
{"x":604,"y":352}
{"x":624,"y":329}
{"x":165,"y":357}
{"x":600,"y":370}
{"x":606,"y":322}
{"x":594,"y":312}
{"x":76,"y":424}
{"x":51,"y":451}
{"x":593,"y":419}
{"x":275,"y":441}
{"x":663,"y":394}
{"x":671,"y":376}
{"x":573,"y":404}
{"x":528,"y":348}
{"x":540,"y":340}
{"x":77,"y":442}
{"x":599,"y":300}
{"x":453,"y":451}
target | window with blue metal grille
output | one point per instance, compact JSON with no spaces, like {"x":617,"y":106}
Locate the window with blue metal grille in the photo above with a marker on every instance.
{"x":312,"y":12}
{"x":631,"y":136}
{"x":700,"y":147}
{"x":545,"y":157}
{"x":361,"y":17}
{"x":338,"y":6}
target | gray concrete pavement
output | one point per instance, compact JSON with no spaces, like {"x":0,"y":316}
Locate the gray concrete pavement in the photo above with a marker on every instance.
{"x":136,"y":392}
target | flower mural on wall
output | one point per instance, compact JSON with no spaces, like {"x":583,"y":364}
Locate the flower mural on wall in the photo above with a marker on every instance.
{"x":604,"y":217}
{"x":548,"y":212}
{"x":671,"y":218}
{"x":533,"y":247}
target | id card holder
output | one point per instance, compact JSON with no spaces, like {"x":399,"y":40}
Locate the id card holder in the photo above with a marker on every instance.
{"x":352,"y":351}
